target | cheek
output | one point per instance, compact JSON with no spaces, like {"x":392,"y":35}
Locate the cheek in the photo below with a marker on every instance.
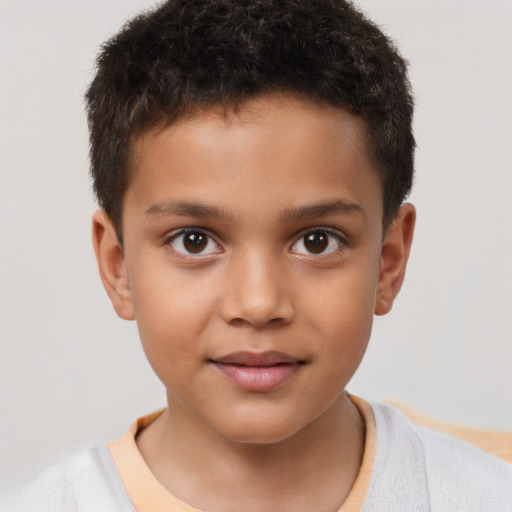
{"x":343,"y":341}
{"x":345,"y":336}
{"x":171,"y":313}
{"x":343,"y":318}
{"x":346,"y":297}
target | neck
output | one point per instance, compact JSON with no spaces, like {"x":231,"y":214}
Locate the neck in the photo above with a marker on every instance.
{"x":314,"y":469}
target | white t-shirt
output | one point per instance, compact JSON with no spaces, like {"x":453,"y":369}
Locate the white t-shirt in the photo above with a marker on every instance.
{"x":405,"y":468}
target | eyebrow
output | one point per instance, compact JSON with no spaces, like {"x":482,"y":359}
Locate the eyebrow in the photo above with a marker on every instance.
{"x":200,"y":210}
{"x":323,"y":209}
{"x":186,"y":209}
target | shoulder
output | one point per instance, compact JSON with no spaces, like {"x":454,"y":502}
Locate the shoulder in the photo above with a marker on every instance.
{"x":458,"y":475}
{"x":463,"y":476}
{"x":87,"y":482}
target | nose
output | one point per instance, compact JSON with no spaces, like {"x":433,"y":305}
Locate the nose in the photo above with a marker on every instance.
{"x":257,"y":292}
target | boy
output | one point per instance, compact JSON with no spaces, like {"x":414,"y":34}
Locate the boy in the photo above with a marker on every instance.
{"x":251,"y":160}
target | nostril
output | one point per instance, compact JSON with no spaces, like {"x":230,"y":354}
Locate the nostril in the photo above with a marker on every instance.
{"x":242,"y":322}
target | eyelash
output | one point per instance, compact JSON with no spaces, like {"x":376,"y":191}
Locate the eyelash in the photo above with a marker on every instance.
{"x":340,"y":239}
{"x":182,"y":233}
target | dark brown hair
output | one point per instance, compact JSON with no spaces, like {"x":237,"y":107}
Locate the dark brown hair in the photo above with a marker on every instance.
{"x":188,"y":55}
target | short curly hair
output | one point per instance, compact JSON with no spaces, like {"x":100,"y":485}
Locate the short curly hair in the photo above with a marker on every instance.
{"x":189,"y":55}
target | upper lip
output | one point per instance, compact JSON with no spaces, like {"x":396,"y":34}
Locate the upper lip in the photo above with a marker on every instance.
{"x":245,"y":358}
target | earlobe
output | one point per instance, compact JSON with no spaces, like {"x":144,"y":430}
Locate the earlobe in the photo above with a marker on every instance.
{"x":111,"y":265}
{"x":394,"y":256}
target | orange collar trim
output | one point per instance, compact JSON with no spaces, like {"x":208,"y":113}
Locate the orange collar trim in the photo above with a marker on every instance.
{"x":149,"y":495}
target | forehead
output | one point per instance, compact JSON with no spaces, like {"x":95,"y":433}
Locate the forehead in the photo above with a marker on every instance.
{"x":274,"y":151}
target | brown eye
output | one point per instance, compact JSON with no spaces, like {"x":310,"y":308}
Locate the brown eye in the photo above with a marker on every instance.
{"x":316,"y":242}
{"x":194,"y":243}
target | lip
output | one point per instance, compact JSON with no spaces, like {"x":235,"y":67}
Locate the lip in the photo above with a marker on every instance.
{"x":258,"y":372}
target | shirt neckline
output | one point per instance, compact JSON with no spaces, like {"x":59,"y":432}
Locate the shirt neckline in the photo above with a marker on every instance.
{"x":149,"y":495}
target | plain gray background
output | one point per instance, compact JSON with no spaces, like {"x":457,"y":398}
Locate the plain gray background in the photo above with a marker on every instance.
{"x":72,"y":375}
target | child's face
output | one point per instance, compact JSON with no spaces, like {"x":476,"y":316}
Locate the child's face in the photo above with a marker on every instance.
{"x":253,"y":263}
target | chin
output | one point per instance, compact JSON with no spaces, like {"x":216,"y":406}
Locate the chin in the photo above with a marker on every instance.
{"x":262,"y":430}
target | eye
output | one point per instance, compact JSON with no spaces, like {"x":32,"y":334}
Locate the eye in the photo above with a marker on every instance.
{"x":317,"y":241}
{"x":194,"y":243}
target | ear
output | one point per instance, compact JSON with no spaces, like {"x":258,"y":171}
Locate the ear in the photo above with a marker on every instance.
{"x":111,"y":264}
{"x":394,"y":256}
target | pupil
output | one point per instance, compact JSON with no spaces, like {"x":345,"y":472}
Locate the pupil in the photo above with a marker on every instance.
{"x":316,"y":242}
{"x":195,"y":242}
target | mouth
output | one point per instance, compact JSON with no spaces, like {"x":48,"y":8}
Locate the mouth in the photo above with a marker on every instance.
{"x":258,"y":372}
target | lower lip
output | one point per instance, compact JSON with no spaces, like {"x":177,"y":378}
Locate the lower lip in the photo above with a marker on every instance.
{"x":258,"y":378}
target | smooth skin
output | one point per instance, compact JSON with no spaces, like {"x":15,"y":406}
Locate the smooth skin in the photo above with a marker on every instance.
{"x":283,"y":250}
